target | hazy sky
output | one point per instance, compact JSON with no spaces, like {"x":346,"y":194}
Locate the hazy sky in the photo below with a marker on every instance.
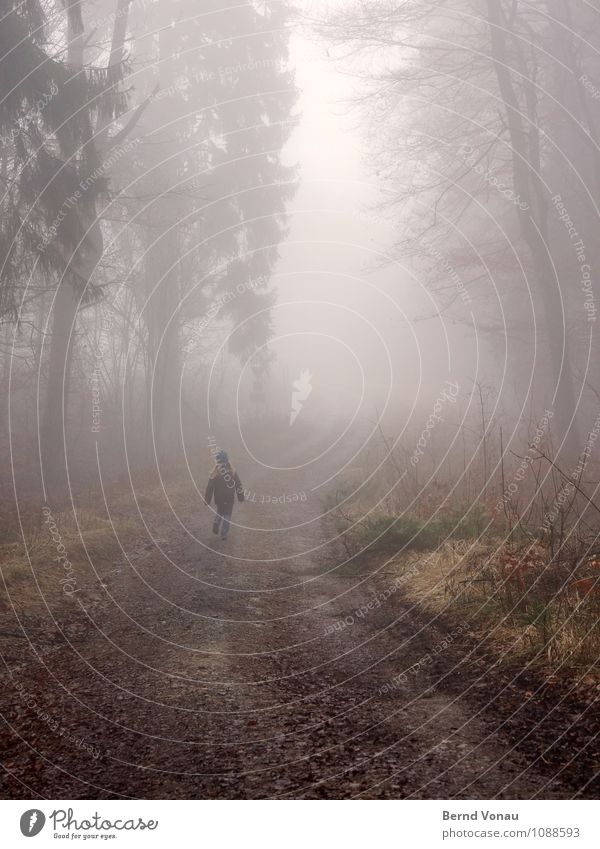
{"x":334,"y":255}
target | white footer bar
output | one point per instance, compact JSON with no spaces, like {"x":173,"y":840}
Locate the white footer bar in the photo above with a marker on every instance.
{"x":302,"y":824}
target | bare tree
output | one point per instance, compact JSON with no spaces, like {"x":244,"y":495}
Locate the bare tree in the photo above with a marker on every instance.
{"x":471,"y":108}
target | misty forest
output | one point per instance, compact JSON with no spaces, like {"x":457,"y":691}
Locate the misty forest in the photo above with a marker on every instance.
{"x":300,"y":399}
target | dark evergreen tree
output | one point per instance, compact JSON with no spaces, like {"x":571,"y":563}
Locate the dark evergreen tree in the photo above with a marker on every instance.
{"x":213,"y":170}
{"x":55,"y":177}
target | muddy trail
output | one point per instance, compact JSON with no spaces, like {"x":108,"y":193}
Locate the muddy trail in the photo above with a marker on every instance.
{"x":265,"y":666}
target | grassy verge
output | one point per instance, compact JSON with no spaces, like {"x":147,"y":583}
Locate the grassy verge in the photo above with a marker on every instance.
{"x":527,"y":607}
{"x":63,"y":556}
{"x":531,"y":601}
{"x":410,"y":532}
{"x":68,"y":554}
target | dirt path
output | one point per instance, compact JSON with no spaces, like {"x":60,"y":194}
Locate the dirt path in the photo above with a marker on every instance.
{"x":214,"y":670}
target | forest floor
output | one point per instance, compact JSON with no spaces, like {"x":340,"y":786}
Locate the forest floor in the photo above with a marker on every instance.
{"x":208,"y":669}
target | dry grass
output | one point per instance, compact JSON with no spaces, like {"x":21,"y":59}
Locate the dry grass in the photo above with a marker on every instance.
{"x":526,"y":605}
{"x":35,"y":574}
{"x":82,"y":549}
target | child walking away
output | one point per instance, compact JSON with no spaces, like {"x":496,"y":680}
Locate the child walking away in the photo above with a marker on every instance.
{"x":223,"y":485}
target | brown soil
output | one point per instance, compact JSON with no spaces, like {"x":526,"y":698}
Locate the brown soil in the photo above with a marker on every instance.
{"x":243,"y":669}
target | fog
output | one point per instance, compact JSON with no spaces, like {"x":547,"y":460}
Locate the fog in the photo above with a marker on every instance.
{"x":360,"y":320}
{"x":298,"y":366}
{"x":245,"y":204}
{"x":239,"y":205}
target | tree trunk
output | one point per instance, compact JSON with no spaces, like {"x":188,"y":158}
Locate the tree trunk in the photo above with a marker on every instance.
{"x":53,"y":453}
{"x":80,"y":267}
{"x":534,"y":227}
{"x":54,"y":461}
{"x":163,"y":341}
{"x":163,"y":290}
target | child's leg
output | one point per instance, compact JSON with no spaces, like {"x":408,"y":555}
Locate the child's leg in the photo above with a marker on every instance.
{"x":217,"y":522}
{"x":226,"y":523}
